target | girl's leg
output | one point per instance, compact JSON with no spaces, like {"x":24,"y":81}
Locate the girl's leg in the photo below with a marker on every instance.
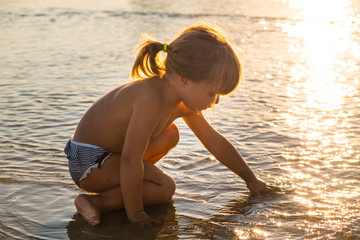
{"x":106,"y":177}
{"x":159,"y":146}
{"x":158,"y":187}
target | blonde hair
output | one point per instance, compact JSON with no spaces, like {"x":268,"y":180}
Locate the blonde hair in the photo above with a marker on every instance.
{"x":200,"y":54}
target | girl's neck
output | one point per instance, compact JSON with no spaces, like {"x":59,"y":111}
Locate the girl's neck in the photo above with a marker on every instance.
{"x":170,"y":89}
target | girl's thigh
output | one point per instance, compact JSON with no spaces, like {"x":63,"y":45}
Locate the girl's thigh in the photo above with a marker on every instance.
{"x":108,"y":175}
{"x":105,"y":177}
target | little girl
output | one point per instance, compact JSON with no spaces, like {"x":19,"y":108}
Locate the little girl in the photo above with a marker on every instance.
{"x":122,"y":135}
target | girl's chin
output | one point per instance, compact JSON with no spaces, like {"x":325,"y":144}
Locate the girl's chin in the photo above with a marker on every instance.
{"x":198,"y":110}
{"x":201,"y":109}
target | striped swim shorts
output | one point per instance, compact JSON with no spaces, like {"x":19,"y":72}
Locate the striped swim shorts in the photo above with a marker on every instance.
{"x":82,"y":158}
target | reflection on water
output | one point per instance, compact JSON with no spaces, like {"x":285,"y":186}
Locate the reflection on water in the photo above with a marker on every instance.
{"x":295,"y":118}
{"x":116,"y":226}
{"x":326,"y":77}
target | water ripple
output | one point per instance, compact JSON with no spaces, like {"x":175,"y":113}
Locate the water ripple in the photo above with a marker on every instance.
{"x":294,"y":119}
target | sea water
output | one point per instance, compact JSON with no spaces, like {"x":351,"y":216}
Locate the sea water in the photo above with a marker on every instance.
{"x":295,"y":118}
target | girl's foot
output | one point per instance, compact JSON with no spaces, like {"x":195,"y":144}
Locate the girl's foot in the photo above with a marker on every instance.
{"x":86,"y":206}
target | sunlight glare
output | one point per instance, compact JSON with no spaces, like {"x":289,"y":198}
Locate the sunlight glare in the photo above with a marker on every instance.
{"x":324,"y":39}
{"x":241,"y":234}
{"x":325,"y":45}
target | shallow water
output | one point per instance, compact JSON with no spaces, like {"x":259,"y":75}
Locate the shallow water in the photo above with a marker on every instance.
{"x":295,"y":118}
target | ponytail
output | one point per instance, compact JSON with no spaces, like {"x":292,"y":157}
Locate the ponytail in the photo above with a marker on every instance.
{"x":147,"y":63}
{"x":200,"y":54}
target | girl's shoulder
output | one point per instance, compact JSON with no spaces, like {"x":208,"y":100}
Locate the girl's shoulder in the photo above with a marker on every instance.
{"x":141,"y":92}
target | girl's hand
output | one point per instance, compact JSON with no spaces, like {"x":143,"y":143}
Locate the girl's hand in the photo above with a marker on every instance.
{"x":141,"y":219}
{"x":258,"y":188}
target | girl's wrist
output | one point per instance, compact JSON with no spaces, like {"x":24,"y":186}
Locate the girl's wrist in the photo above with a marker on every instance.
{"x":247,"y":175}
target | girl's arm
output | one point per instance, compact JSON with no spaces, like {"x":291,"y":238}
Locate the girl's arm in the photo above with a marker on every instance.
{"x":143,"y":120}
{"x":224,"y":151}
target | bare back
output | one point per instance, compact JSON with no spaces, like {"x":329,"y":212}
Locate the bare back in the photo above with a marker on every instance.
{"x":106,"y":121}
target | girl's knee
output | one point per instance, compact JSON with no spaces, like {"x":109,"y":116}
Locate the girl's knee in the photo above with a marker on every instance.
{"x":162,"y":144}
{"x":173,"y":135}
{"x":169,"y":188}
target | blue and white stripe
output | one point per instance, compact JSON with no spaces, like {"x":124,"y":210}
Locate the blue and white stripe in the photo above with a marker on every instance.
{"x":82,"y":158}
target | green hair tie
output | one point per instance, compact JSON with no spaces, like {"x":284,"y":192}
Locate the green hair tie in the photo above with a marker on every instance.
{"x":165,"y":47}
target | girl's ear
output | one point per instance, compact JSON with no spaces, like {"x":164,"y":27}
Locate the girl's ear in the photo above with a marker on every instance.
{"x":183,"y":81}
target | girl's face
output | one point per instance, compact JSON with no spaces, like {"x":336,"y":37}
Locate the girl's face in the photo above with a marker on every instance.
{"x":200,"y":96}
